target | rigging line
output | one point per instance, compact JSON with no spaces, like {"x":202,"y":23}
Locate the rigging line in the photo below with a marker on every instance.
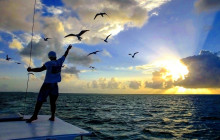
{"x":32,"y":34}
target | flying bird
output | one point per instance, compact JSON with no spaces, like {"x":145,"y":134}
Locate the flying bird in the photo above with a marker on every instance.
{"x":91,"y":67}
{"x":7,"y":58}
{"x":45,"y":39}
{"x":101,"y":14}
{"x":17,"y":62}
{"x":77,"y":35}
{"x":107,"y":38}
{"x":93,"y":53}
{"x":133,"y":54}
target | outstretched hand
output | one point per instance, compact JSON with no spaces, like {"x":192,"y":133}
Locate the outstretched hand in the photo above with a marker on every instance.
{"x":29,"y":69}
{"x":69,"y":47}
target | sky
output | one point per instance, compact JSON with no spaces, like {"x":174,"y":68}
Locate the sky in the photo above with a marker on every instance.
{"x":177,"y":41}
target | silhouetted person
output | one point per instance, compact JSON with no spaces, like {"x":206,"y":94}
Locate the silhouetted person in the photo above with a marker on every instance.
{"x":49,"y":87}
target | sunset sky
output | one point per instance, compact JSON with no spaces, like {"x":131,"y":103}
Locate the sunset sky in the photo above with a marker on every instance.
{"x":177,"y":40}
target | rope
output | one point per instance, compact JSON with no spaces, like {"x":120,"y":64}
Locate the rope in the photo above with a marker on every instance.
{"x":32,"y":34}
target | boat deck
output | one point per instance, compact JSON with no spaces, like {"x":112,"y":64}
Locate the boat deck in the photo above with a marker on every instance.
{"x":40,"y":129}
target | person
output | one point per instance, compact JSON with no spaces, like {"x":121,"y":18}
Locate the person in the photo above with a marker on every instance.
{"x":49,"y":87}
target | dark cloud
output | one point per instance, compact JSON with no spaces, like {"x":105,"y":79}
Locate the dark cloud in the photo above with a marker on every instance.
{"x":38,"y":49}
{"x":135,"y":84}
{"x":79,"y":56}
{"x":204,"y":71}
{"x":206,"y":5}
{"x":71,"y":70}
{"x":158,"y":81}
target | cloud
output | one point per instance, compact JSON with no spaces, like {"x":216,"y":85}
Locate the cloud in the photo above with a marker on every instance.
{"x":204,"y":71}
{"x":123,"y":14}
{"x":106,"y":53}
{"x":152,"y":4}
{"x":79,"y":56}
{"x":15,"y":44}
{"x":26,"y":60}
{"x":33,"y":78}
{"x":68,"y":77}
{"x":38,"y":49}
{"x":16,"y":15}
{"x":154,"y":14}
{"x":135,"y":84}
{"x":71,"y":70}
{"x":5,"y":78}
{"x":55,"y":10}
{"x":160,"y":80}
{"x":104,"y":83}
{"x":2,"y":52}
{"x":207,"y":5}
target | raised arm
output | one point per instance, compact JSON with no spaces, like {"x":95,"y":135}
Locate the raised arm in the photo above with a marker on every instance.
{"x":67,"y":50}
{"x":40,"y":69}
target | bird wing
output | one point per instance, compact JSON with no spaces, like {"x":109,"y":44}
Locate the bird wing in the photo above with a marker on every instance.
{"x":69,"y":35}
{"x":108,"y":36}
{"x":104,"y":14}
{"x":129,"y":54}
{"x":82,"y":32}
{"x":96,"y":16}
{"x":136,"y":53}
{"x":90,"y":54}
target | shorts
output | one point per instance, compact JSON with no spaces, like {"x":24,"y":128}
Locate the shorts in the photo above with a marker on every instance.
{"x":47,"y":89}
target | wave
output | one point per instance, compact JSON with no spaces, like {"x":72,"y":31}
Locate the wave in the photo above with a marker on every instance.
{"x":158,"y":133}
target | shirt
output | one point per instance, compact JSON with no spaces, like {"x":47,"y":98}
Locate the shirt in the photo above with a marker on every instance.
{"x":54,"y":70}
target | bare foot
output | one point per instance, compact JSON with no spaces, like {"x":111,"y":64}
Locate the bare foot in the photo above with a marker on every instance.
{"x":31,"y":119}
{"x":51,"y":118}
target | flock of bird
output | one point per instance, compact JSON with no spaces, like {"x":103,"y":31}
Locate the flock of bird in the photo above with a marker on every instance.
{"x":8,"y":59}
{"x":80,"y":38}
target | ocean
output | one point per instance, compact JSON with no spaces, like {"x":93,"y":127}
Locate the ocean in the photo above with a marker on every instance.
{"x":130,"y":117}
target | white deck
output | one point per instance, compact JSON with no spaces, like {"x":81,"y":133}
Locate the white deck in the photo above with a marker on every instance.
{"x":40,"y":129}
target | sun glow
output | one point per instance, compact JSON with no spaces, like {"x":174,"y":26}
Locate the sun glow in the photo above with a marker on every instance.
{"x":174,"y":68}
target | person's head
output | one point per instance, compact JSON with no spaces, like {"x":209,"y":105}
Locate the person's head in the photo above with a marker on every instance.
{"x":52,"y":55}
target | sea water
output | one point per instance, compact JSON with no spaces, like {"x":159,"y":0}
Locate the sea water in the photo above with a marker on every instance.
{"x":125,"y":117}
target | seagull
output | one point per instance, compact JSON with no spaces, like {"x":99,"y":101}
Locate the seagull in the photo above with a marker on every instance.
{"x":18,"y":62}
{"x":92,"y":67}
{"x":7,"y":58}
{"x":93,"y":53}
{"x":30,"y":73}
{"x":45,"y":39}
{"x":77,"y":35}
{"x":133,"y":54}
{"x":107,"y":38}
{"x":102,"y":14}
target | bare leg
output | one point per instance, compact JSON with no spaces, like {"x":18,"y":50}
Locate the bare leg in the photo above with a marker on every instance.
{"x":53,"y":106}
{"x":36,"y":111}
